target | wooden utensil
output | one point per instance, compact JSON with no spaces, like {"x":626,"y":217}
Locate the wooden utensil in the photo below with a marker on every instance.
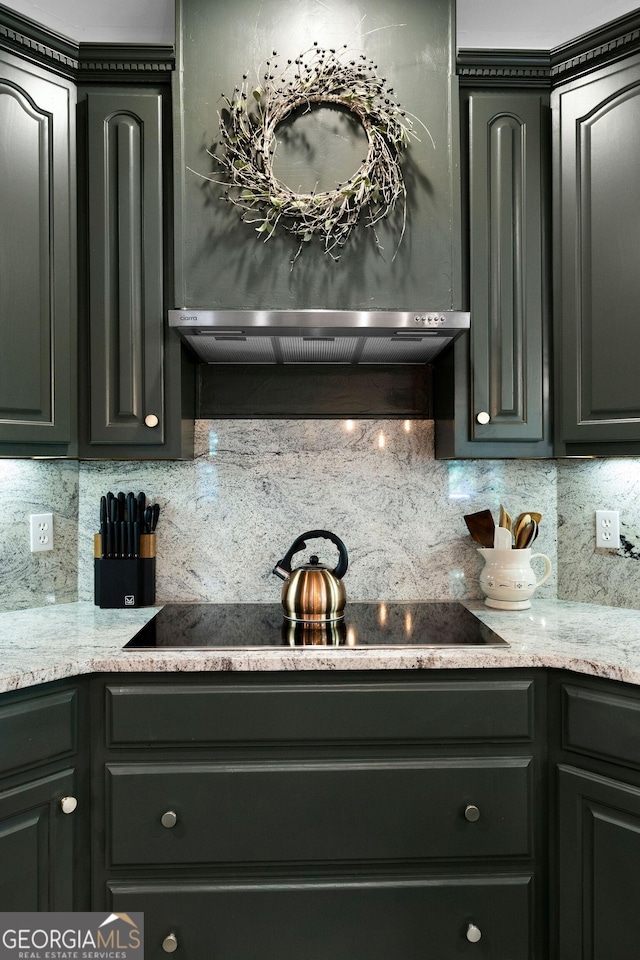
{"x":517,"y":525}
{"x":524,"y":531}
{"x":504,"y":519}
{"x":481,"y":527}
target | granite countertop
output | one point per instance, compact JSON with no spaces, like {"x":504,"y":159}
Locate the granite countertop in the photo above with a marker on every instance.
{"x":67,"y":640}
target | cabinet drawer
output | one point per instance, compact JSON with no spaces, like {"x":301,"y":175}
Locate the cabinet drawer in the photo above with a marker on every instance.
{"x":375,"y":920}
{"x":601,"y":724}
{"x":37,"y":729}
{"x":318,"y":811}
{"x":433,"y":712}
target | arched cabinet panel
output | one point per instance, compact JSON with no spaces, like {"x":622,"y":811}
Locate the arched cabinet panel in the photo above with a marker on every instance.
{"x":125,"y":266}
{"x":597,"y":279}
{"x":506,"y":267}
{"x":37,"y":253}
{"x":492,"y":392}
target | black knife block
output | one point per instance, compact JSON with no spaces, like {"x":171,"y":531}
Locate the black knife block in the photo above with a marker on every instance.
{"x":125,"y":581}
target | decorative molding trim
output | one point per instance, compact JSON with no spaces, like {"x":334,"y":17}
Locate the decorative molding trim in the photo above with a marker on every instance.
{"x":85,"y":61}
{"x":606,"y":44}
{"x":504,"y":67}
{"x":31,"y":41}
{"x":139,"y":62}
{"x":152,"y":62}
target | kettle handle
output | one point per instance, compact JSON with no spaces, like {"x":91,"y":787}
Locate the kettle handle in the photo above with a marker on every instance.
{"x":343,"y":561}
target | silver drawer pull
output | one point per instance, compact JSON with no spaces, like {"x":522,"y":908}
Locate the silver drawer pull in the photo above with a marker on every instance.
{"x":68,"y":804}
{"x":473,"y":933}
{"x":170,"y":943}
{"x":471,"y":813}
{"x":169,"y":819}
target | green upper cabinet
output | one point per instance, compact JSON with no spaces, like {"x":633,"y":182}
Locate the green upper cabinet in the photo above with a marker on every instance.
{"x":37,"y":261}
{"x":88,"y":365}
{"x":597,"y":281}
{"x":132,"y":362}
{"x":492,"y":389}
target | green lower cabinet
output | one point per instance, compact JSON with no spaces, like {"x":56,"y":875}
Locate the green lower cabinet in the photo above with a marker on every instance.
{"x":365,"y":919}
{"x":599,"y":866}
{"x":44,"y":855}
{"x":37,"y":844}
{"x":342,"y":817}
{"x":595,"y":809}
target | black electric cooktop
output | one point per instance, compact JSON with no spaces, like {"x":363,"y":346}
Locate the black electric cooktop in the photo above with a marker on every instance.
{"x":232,"y":626}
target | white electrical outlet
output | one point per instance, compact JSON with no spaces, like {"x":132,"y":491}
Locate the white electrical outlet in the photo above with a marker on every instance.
{"x":608,"y":529}
{"x":41,"y":531}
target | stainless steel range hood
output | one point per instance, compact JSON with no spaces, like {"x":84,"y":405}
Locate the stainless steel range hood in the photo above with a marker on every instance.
{"x":318,"y":336}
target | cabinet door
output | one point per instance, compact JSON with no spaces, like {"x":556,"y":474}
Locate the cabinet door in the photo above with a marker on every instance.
{"x":125,"y":206}
{"x":37,"y":261}
{"x":37,"y":845}
{"x":134,"y":370}
{"x":500,"y":370}
{"x":597,"y":278}
{"x":599,"y":879}
{"x":360,"y":919}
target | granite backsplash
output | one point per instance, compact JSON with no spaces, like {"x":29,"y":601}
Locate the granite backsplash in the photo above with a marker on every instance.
{"x":255,"y":485}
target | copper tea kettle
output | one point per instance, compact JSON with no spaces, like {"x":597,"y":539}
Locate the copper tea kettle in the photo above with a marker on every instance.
{"x":313,"y":592}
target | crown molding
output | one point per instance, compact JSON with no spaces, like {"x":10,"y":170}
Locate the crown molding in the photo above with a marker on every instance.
{"x":32,"y":42}
{"x":606,"y":44}
{"x":112,"y":62}
{"x":155,"y":62}
{"x":504,"y":68}
{"x":85,"y":61}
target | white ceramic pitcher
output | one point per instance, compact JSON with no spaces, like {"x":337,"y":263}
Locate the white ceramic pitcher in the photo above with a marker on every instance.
{"x":508,"y":580}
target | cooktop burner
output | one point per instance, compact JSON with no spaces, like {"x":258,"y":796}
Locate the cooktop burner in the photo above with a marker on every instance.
{"x":232,"y":626}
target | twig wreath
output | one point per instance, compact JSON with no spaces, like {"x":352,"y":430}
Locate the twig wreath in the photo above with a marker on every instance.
{"x":248,"y":125}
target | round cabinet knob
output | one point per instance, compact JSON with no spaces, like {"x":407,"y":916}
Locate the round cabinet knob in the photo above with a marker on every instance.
{"x":68,"y":804}
{"x":471,"y":813}
{"x":151,"y":420}
{"x":169,"y":819}
{"x":170,"y":943}
{"x":473,"y":933}
{"x":483,"y":417}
